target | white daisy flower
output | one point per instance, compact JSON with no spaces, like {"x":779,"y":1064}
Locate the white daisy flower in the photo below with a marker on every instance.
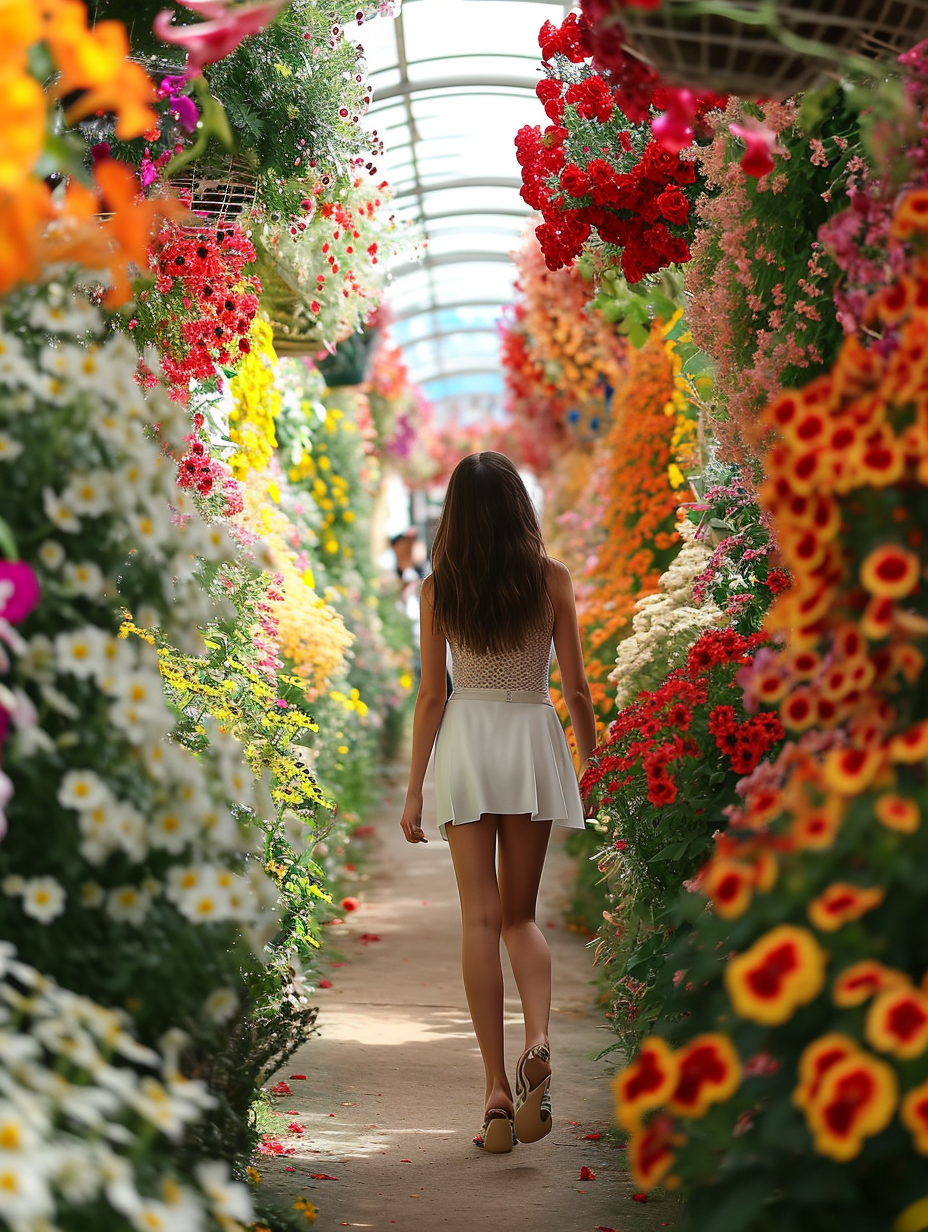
{"x":141,"y":688}
{"x":140,"y":723}
{"x":83,"y":790}
{"x":63,"y":311}
{"x":10,"y":448}
{"x":60,"y":511}
{"x":13,"y":885}
{"x":221,"y":1005}
{"x":170,"y":830}
{"x":51,"y":554}
{"x":88,"y":494}
{"x":130,"y":832}
{"x":84,"y":578}
{"x":92,"y":894}
{"x":15,"y":367}
{"x":231,"y":1200}
{"x":43,"y":899}
{"x":128,"y":905}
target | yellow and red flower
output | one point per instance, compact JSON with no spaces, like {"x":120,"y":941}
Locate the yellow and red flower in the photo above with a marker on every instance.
{"x":890,"y":571}
{"x":646,"y":1083}
{"x":913,"y":1113}
{"x":783,"y":969}
{"x":897,"y":1022}
{"x":843,"y":901}
{"x":817,"y":828}
{"x":651,"y":1152}
{"x":855,"y":1100}
{"x":911,"y":745}
{"x":710,"y":1071}
{"x":911,"y":215}
{"x":899,"y":813}
{"x":862,"y":980}
{"x":850,"y":771}
{"x":815,"y":1061}
{"x":730,"y":886}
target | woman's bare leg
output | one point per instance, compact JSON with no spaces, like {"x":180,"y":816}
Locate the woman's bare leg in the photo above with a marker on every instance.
{"x":473,"y":850}
{"x":523,"y":844}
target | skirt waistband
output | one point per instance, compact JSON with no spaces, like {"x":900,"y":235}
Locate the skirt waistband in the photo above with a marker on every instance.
{"x":539,"y":697}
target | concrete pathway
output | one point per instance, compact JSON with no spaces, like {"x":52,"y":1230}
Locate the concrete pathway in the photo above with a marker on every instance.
{"x":393,"y":1091}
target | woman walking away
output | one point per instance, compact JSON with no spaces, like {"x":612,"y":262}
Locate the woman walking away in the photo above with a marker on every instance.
{"x":503,"y":771}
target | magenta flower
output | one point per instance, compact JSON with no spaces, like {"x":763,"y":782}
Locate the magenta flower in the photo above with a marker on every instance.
{"x":19,"y":591}
{"x":760,"y":147}
{"x":184,"y":110}
{"x":674,"y":128}
{"x":214,"y":38}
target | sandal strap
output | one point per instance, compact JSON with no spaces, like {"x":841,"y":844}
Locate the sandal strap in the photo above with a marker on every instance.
{"x":540,"y":1052}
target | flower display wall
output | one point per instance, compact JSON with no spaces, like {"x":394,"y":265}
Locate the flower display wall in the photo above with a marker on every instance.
{"x":810,"y":997}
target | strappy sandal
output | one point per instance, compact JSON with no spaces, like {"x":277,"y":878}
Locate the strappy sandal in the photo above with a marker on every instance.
{"x":497,"y":1134}
{"x":532,"y":1119}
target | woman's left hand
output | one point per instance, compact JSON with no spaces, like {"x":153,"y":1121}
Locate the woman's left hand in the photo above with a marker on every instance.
{"x":411,"y":822}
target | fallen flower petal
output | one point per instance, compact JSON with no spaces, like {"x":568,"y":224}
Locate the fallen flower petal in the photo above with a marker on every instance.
{"x":297,"y":1077}
{"x":324,"y":984}
{"x":366,"y":938}
{"x":296,"y":1128}
{"x":587,"y":1174}
{"x":640,"y":1197}
{"x":280,"y":1088}
{"x":322,"y":1176}
{"x":591,"y":1137}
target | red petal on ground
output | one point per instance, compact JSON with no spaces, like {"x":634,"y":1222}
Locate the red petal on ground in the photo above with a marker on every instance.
{"x":587,"y":1174}
{"x":336,"y":964}
{"x":324,"y":984}
{"x":297,"y":1077}
{"x":405,"y":1161}
{"x":602,"y":1229}
{"x":551,"y":924}
{"x":280,"y":1088}
{"x":289,"y":1169}
{"x":367,"y":938}
{"x":640,"y":1197}
{"x":321,"y":1176}
{"x":591,"y":1137}
{"x":296,"y":1128}
{"x":573,"y":1122}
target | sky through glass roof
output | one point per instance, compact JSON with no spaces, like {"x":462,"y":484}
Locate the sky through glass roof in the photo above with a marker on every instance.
{"x":453,"y":81}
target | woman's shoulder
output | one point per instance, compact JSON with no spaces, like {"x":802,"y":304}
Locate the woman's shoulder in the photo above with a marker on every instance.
{"x":556,"y":572}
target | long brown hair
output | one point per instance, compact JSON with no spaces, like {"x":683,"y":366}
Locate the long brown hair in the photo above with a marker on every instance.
{"x":488,"y":557}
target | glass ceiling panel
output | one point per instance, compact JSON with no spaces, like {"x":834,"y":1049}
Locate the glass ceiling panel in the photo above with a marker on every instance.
{"x":453,"y":81}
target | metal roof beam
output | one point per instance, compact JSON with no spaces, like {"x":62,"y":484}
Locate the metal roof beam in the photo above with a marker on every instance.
{"x":475,"y":257}
{"x":464,"y":181}
{"x":407,"y":314}
{"x":466,"y":81}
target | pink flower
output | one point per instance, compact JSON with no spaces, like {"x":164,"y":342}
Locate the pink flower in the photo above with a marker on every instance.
{"x":215,"y":38}
{"x":19,"y":590}
{"x":674,"y":128}
{"x":760,"y":146}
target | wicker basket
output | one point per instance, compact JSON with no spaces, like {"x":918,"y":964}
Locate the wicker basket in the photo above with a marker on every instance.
{"x":225,"y":189}
{"x":715,"y":52}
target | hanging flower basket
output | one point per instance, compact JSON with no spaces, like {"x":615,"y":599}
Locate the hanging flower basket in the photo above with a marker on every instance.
{"x":219,"y":190}
{"x":713,"y":50}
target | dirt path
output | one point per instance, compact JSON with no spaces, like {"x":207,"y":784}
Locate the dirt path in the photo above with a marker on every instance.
{"x":394,"y":1084}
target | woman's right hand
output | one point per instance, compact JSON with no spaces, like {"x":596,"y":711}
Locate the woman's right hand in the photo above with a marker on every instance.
{"x":411,"y":821}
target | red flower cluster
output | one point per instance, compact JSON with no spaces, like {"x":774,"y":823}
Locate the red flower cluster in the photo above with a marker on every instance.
{"x":744,"y":742}
{"x":198,"y":469}
{"x":592,"y":168}
{"x":639,"y":737}
{"x":200,"y":281}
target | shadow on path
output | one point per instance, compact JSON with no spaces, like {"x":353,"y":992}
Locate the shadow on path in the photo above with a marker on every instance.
{"x":394,"y":1084}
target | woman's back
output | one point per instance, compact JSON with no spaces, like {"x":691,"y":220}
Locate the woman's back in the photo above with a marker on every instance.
{"x":525,"y":668}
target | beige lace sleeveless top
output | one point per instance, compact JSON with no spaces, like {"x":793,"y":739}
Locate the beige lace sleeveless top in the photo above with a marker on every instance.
{"x":527,"y":668}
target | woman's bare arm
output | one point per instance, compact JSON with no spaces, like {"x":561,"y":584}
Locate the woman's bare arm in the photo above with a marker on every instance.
{"x":569,"y":655}
{"x":430,"y":705}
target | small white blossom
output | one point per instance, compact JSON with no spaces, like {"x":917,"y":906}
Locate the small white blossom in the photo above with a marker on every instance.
{"x":128,"y":904}
{"x":43,"y":899}
{"x":51,"y":554}
{"x":60,"y":511}
{"x":82,"y":789}
{"x":10,"y":448}
{"x":84,"y":578}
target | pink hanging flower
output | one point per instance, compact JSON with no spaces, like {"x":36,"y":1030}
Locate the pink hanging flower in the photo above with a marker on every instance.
{"x":673,"y":129}
{"x":760,"y":146}
{"x":19,"y":591}
{"x":220,"y":34}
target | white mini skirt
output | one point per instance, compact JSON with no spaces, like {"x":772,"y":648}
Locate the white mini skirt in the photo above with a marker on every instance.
{"x":494,"y":755}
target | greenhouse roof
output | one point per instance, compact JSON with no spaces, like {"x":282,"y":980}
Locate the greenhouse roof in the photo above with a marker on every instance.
{"x":453,"y":81}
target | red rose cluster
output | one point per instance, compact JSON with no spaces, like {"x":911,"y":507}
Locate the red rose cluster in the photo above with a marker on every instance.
{"x":744,"y":741}
{"x":595,"y":167}
{"x":202,"y":301}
